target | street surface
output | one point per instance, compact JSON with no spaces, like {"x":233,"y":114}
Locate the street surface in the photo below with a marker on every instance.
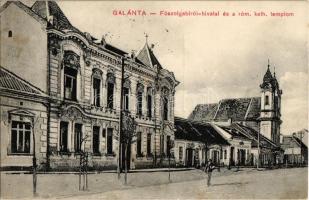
{"x":226,"y":184}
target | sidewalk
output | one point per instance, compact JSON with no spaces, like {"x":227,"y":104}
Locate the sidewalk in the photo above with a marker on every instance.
{"x":66,"y":184}
{"x":105,"y":171}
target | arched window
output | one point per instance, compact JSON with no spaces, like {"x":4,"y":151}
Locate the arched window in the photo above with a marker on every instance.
{"x":165,"y":99}
{"x":10,"y":34}
{"x":71,"y":66}
{"x":139,"y":98}
{"x":96,"y":86}
{"x":126,"y":89}
{"x":110,"y":90}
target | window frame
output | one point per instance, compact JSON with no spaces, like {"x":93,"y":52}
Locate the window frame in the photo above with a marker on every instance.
{"x":109,"y":144}
{"x":24,"y":130}
{"x":61,"y":136}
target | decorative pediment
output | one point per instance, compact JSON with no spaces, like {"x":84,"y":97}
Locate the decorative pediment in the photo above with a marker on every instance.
{"x":110,"y":78}
{"x":97,"y":73}
{"x":73,"y":113}
{"x":22,"y":112}
{"x":71,"y":59}
{"x":139,"y":87}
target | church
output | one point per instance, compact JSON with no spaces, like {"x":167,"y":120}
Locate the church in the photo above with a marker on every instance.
{"x":61,"y":92}
{"x":255,"y":118}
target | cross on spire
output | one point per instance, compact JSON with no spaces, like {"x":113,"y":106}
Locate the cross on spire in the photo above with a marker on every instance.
{"x":268,"y":62}
{"x":146,"y":36}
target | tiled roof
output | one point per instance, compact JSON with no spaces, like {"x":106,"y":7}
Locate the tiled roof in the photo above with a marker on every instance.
{"x":59,"y":19}
{"x":204,"y":112}
{"x":240,"y":109}
{"x":252,"y":134}
{"x":147,"y":57}
{"x":11,"y":81}
{"x":292,"y":142}
{"x":194,"y":131}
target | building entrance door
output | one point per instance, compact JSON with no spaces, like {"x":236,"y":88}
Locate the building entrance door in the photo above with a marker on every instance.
{"x":189,"y":157}
{"x":232,"y":161}
{"x":242,"y":156}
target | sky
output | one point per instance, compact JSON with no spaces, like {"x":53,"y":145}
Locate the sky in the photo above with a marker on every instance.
{"x":212,"y":57}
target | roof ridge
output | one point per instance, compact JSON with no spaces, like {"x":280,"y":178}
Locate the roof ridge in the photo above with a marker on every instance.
{"x":248,"y":108}
{"x":219,"y":104}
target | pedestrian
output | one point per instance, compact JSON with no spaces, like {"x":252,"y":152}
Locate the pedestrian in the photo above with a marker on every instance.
{"x":209,"y":168}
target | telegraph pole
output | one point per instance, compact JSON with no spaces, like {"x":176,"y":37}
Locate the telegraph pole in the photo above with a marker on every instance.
{"x":258,"y":158}
{"x":120,"y":118}
{"x":34,"y":162}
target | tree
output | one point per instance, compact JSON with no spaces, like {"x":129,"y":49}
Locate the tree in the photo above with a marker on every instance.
{"x":128,"y":133}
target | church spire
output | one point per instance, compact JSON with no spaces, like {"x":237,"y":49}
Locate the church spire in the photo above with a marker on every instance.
{"x":268,"y":76}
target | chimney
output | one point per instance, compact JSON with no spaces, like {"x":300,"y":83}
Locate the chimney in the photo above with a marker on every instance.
{"x":103,"y":41}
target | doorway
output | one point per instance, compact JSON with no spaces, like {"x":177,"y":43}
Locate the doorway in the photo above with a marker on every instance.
{"x":189,"y":157}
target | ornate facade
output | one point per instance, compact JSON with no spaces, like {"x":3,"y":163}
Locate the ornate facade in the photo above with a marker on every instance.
{"x":83,"y":84}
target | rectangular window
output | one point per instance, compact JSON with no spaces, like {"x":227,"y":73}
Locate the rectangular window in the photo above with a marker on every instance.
{"x":266,"y":100}
{"x":70,"y":75}
{"x":149,"y":106}
{"x":221,"y":154}
{"x":180,"y":153}
{"x":139,"y":144}
{"x":168,"y":145}
{"x":139,"y":103}
{"x":126,"y":99}
{"x":148,"y":144}
{"x":110,"y":95}
{"x":225,"y":154}
{"x":63,"y":143}
{"x":96,"y":140}
{"x":161,"y":144}
{"x":96,"y":91}
{"x":109,"y":141}
{"x":78,"y":136}
{"x":21,"y":133}
{"x":165,"y":108}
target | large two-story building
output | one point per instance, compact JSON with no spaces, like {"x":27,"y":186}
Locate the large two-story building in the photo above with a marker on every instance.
{"x":78,"y":79}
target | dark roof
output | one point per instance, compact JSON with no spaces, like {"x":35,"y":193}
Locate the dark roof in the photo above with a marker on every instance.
{"x":147,"y":57}
{"x":11,"y":81}
{"x":60,"y":21}
{"x":240,"y":109}
{"x":234,"y":132}
{"x":291,"y":142}
{"x":252,"y":134}
{"x":195,"y":131}
{"x":268,"y":76}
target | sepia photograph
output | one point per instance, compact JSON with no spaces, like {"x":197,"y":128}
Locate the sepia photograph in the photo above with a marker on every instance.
{"x":154,"y":99}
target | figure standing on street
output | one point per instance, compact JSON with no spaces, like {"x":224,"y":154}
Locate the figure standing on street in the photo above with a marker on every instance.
{"x":209,"y":168}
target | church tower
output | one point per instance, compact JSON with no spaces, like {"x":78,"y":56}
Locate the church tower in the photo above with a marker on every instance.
{"x":270,"y":107}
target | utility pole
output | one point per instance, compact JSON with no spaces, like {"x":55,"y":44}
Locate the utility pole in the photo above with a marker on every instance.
{"x":120,"y":118}
{"x":258,"y":158}
{"x":34,"y":162}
